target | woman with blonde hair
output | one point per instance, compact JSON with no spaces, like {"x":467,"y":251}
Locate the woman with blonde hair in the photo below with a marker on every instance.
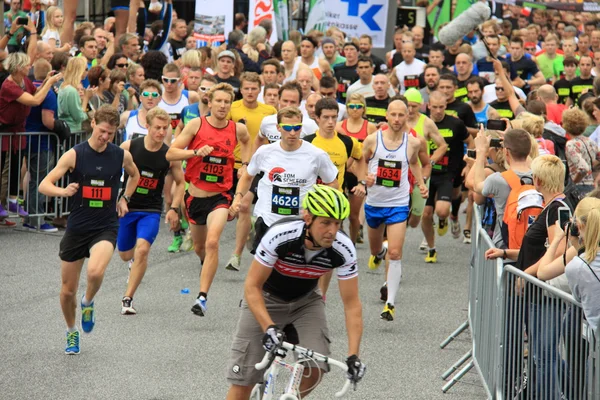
{"x":255,"y":36}
{"x":534,"y":124}
{"x":53,"y":29}
{"x":71,"y":107}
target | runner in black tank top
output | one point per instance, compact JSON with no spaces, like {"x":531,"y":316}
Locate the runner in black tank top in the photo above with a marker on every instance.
{"x":95,"y":171}
{"x":139,"y":228}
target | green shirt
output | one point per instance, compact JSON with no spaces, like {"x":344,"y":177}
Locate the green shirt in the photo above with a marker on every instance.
{"x":69,"y":108}
{"x":546,"y":64}
{"x":559,"y":67}
{"x":9,"y":17}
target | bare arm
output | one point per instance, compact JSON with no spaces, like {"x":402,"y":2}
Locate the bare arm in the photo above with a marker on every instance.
{"x":432,"y":133}
{"x":124,"y":118}
{"x":179,"y":179}
{"x":424,"y":158}
{"x":178,"y":151}
{"x":35,"y":100}
{"x":352,"y":312}
{"x":258,"y":141}
{"x":110,"y":49}
{"x":65,"y":164}
{"x":538,"y":79}
{"x":194,"y":97}
{"x":33,"y":39}
{"x":48,"y":119}
{"x":257,"y":276}
{"x":243,"y":138}
{"x":132,"y":171}
{"x":362,"y":169}
{"x":560,"y":249}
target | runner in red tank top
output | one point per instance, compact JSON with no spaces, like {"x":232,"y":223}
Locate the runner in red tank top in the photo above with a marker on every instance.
{"x":357,"y":127}
{"x":207,"y":143}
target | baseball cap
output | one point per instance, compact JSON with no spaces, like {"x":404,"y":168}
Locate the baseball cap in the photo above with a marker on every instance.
{"x":226,"y":53}
{"x":413,"y":96}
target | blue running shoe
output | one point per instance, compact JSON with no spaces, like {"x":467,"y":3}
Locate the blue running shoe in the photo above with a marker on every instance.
{"x":199,"y":308}
{"x":72,"y":343}
{"x":88,"y":319}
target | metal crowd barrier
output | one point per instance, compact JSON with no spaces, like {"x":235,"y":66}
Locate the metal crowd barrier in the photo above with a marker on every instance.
{"x":530,"y":340}
{"x":23,"y":167}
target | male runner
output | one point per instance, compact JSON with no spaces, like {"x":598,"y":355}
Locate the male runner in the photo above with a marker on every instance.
{"x":208,"y":143}
{"x":389,"y":154}
{"x":319,"y":67}
{"x":199,"y":109}
{"x":94,"y":169}
{"x":281,"y":289}
{"x":289,"y":168}
{"x":134,"y":121}
{"x":444,"y":171}
{"x":139,"y":228}
{"x":251,"y":112}
{"x":483,"y":112}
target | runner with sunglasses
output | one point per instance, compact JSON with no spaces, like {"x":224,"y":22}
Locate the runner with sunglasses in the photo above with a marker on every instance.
{"x":359,"y":128}
{"x":134,"y":121}
{"x":199,"y":109}
{"x":289,"y":168}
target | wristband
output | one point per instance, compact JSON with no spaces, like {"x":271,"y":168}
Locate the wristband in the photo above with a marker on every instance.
{"x":174,"y":209}
{"x":127,"y":198}
{"x":240,"y":193}
{"x":504,"y":255}
{"x":245,"y":164}
{"x":196,"y":152}
{"x":363,"y":182}
{"x":9,"y":34}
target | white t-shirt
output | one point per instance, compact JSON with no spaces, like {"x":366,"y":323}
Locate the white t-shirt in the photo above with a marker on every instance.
{"x":408,"y":74}
{"x":51,"y":34}
{"x":489,"y":93}
{"x":288,"y":175}
{"x":365,"y":90}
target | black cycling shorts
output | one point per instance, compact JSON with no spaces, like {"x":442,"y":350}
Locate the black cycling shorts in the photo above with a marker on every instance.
{"x":77,"y":245}
{"x":119,"y":5}
{"x":198,"y":208}
{"x":260,"y":228}
{"x":440,"y":185}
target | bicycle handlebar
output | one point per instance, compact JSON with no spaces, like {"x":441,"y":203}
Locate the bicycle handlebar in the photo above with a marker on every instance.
{"x":310,"y":354}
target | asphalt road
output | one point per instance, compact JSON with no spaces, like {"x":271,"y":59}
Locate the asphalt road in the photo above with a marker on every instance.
{"x":165,"y":352}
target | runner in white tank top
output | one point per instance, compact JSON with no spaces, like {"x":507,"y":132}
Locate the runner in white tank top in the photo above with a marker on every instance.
{"x":133,"y":128}
{"x":174,"y":110}
{"x":390,"y":153}
{"x":292,"y":76}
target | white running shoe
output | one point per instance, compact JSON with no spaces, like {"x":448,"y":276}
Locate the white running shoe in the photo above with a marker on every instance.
{"x":423,"y":245}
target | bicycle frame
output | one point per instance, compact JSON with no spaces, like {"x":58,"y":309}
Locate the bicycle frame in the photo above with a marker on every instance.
{"x":276,"y":360}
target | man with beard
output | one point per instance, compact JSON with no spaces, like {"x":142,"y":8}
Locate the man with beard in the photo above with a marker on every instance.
{"x":330,"y":53}
{"x":365,"y":44}
{"x":464,"y":71}
{"x":447,"y":85}
{"x":431,"y":75}
{"x":584,"y":83}
{"x":483,"y":112}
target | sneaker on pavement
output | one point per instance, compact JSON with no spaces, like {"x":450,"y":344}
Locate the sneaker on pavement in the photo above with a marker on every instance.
{"x":442,"y":227}
{"x":72,"y":343}
{"x":455,"y":228}
{"x":29,"y":227}
{"x":388,"y":312}
{"x":3,"y":212}
{"x":375,"y":261}
{"x":361,"y":237}
{"x":467,"y":236}
{"x":431,"y":256}
{"x":234,"y":263}
{"x":176,"y":245}
{"x":6,"y":223}
{"x":47,"y":228}
{"x":127,"y":307}
{"x":88,"y":317}
{"x":199,"y":307}
{"x":188,"y":243}
{"x":383,"y":292}
{"x":423,"y":245}
{"x":17,"y":209}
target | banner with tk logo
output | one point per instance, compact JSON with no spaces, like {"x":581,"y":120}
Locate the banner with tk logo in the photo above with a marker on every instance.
{"x":355,"y":17}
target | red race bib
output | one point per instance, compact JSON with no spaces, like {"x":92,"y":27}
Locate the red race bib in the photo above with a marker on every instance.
{"x":389,"y":173}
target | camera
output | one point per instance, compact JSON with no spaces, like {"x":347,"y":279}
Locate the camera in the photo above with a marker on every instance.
{"x":573,"y":229}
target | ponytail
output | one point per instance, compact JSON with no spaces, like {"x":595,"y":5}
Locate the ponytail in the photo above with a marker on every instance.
{"x":592,"y":234}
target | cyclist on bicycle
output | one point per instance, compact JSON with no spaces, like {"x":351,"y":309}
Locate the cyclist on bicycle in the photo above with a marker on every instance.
{"x":281,"y":289}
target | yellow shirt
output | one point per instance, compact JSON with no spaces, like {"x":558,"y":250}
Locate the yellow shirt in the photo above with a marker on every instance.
{"x":253,"y":117}
{"x":340,"y":148}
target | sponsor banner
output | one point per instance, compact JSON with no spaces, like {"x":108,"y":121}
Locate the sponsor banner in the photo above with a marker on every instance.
{"x":213,"y":21}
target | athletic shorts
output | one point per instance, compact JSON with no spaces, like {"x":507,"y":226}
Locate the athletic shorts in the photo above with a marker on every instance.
{"x":260,"y":228}
{"x":417,"y":203}
{"x":350,"y":181}
{"x":77,"y":245}
{"x":198,"y":208}
{"x":440,"y":186}
{"x":376,"y":216}
{"x":119,"y":5}
{"x":137,"y":225}
{"x":308,"y":316}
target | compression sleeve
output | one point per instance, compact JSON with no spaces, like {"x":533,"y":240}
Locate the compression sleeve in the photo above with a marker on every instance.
{"x":142,"y":20}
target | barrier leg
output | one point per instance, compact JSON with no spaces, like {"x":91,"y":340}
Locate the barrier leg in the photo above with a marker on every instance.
{"x":455,"y":334}
{"x":458,"y":376}
{"x":457,"y":365}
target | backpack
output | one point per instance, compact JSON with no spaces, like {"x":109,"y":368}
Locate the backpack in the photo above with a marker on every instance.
{"x":523,"y":205}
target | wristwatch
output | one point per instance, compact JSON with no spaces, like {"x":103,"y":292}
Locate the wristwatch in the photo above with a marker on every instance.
{"x":364,"y":183}
{"x":127,"y":198}
{"x":432,"y":162}
{"x":196,"y":152}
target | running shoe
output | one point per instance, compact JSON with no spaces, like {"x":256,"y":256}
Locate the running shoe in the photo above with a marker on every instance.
{"x":17,"y":209}
{"x":234,"y":263}
{"x":423,"y":245}
{"x":127,"y":307}
{"x":7,"y":223}
{"x":72,"y":343}
{"x":375,"y":261}
{"x":383,"y":293}
{"x":442,"y":227}
{"x":388,"y":312}
{"x":47,"y":228}
{"x":88,"y":319}
{"x":176,"y":245}
{"x":3,"y":212}
{"x":188,"y":242}
{"x":455,"y":228}
{"x":361,"y":237}
{"x":29,"y":227}
{"x":431,"y":256}
{"x":199,"y":307}
{"x":467,"y":236}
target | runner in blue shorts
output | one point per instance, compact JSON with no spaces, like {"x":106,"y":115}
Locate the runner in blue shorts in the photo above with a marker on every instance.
{"x":139,"y":228}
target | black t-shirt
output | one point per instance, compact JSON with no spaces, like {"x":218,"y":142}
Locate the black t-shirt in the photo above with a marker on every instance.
{"x":563,"y":89}
{"x":234,"y":82}
{"x":345,"y":75}
{"x":178,"y":47}
{"x":376,"y":109}
{"x":460,"y":94}
{"x":423,"y":53}
{"x":449,"y":59}
{"x":503,"y":108}
{"x":454,"y":132}
{"x":533,"y":247}
{"x":397,"y":59}
{"x":525,"y":68}
{"x":378,"y":64}
{"x":579,"y":84}
{"x":462,"y":111}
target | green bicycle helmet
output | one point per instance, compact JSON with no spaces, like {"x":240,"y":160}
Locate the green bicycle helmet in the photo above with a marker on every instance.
{"x":325,"y":201}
